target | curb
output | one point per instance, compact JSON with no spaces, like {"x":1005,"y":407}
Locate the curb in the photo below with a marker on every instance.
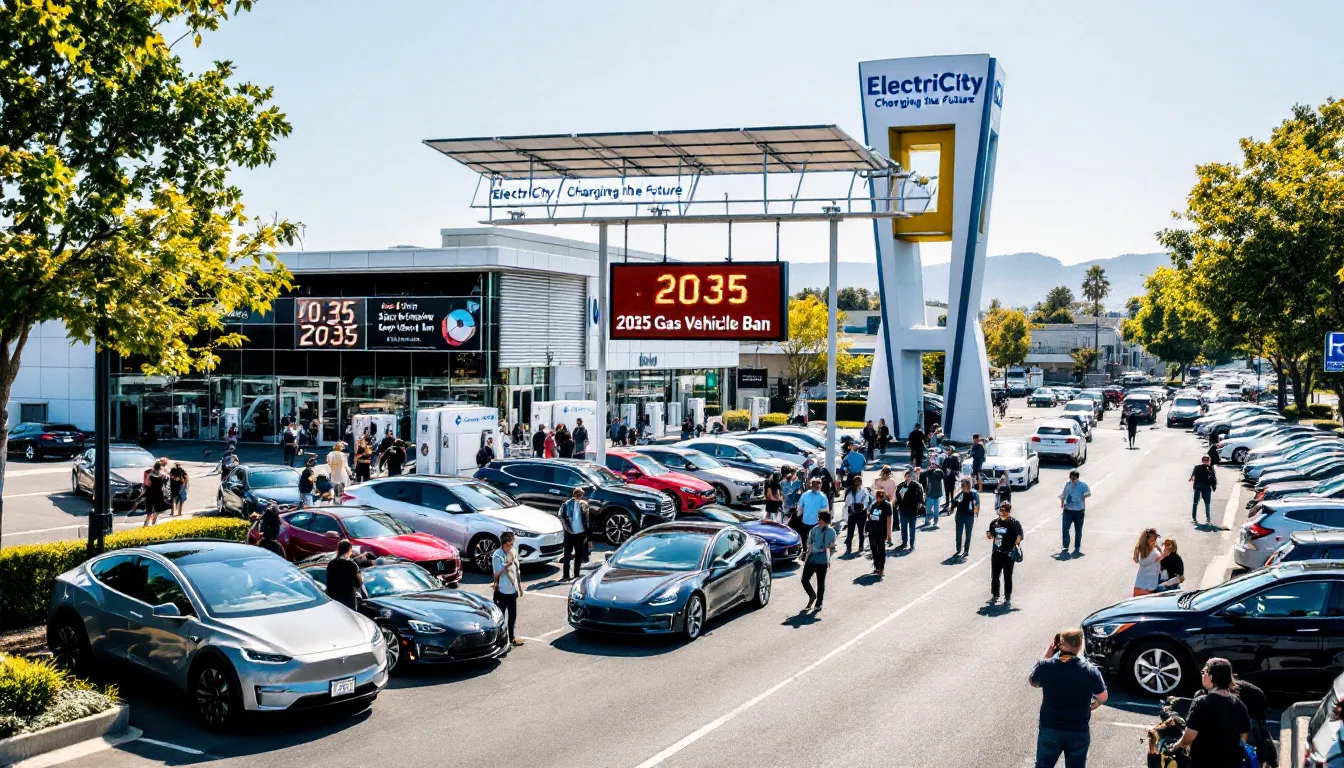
{"x":19,"y":748}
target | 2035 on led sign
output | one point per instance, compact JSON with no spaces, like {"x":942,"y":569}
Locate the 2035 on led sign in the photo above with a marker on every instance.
{"x":715,"y":301}
{"x":329,"y":324}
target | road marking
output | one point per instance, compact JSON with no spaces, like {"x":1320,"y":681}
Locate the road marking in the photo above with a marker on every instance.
{"x":82,"y":749}
{"x":717,"y":723}
{"x":42,"y":471}
{"x":1220,"y":565}
{"x":1144,"y":726}
{"x":545,"y":594}
{"x":177,"y":747}
{"x":37,"y":493}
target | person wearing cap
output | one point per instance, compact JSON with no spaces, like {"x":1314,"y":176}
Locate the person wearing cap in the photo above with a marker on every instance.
{"x":307,"y":481}
{"x":1006,"y":534}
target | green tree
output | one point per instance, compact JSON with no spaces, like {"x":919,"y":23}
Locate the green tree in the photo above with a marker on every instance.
{"x":1132,"y":305}
{"x":1262,"y":248}
{"x":115,"y":202}
{"x":1096,"y":288}
{"x":1083,"y":359}
{"x":934,"y":364}
{"x":1056,"y":308}
{"x":805,"y":349}
{"x":855,"y":299}
{"x":1168,"y":321}
{"x":821,"y":294}
{"x":1007,"y":337}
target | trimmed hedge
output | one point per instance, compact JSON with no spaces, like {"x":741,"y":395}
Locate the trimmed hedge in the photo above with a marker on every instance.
{"x":774,"y":419}
{"x":842,"y":424}
{"x":27,"y":572}
{"x":845,"y":410}
{"x":1313,"y":411}
{"x":735,"y":421}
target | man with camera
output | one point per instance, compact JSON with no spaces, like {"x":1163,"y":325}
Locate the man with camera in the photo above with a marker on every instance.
{"x":1071,"y":687}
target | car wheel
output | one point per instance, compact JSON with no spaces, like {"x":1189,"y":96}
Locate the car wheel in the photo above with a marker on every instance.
{"x":29,"y":452}
{"x":721,"y":494}
{"x":1158,"y":669}
{"x":215,"y":694}
{"x":1239,"y":456}
{"x":618,"y":527}
{"x":695,"y":618}
{"x":676,"y":501}
{"x":482,"y":552}
{"x":219,"y":505}
{"x":393,"y":642}
{"x":69,"y":643}
{"x":763,"y":582}
{"x":74,"y":485}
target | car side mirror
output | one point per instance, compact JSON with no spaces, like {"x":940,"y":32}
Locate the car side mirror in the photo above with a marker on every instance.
{"x":167,"y":611}
{"x":332,"y":535}
{"x":455,"y":508}
{"x":1234,"y":612}
{"x":632,"y":474}
{"x":719,"y":562}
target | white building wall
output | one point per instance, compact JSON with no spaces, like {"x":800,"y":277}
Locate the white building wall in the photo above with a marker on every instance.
{"x":58,"y":372}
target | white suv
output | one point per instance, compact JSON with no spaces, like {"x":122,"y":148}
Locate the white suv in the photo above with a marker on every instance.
{"x":1060,"y":438}
{"x":1271,"y":523}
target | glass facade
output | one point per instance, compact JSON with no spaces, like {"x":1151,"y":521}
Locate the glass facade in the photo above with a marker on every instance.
{"x":640,"y":387}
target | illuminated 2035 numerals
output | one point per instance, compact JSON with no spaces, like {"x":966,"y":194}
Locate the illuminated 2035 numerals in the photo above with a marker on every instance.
{"x":687,"y":289}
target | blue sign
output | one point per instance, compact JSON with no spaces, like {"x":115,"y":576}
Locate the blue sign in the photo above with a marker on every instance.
{"x":1334,"y":352}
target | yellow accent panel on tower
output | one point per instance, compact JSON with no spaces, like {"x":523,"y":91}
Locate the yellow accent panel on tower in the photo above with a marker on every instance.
{"x":934,"y":225}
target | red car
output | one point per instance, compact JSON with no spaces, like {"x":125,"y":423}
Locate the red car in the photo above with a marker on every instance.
{"x":687,"y":492}
{"x":312,"y":531}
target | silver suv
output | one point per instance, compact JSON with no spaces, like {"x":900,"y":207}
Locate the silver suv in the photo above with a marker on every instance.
{"x":1271,"y":523}
{"x":731,"y":485}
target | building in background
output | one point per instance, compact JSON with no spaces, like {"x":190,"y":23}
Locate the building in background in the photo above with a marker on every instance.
{"x":1053,"y":345}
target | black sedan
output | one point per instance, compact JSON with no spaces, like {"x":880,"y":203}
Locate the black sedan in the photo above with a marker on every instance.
{"x":127,"y":465}
{"x":38,"y":441}
{"x":423,"y":622}
{"x":1282,"y":628}
{"x":250,"y":487}
{"x":670,"y":579}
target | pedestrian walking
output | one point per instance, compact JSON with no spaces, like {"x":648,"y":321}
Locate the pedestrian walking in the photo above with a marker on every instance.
{"x":883,"y":436}
{"x":820,"y":545}
{"x":156,"y":492}
{"x":932,"y":477}
{"x":854,"y":462}
{"x":687,"y":427}
{"x":486,"y":454}
{"x":792,"y":488}
{"x":820,"y":472}
{"x":774,"y":498}
{"x":338,"y":471}
{"x":548,"y":445}
{"x":564,"y":443}
{"x":519,"y":437}
{"x":574,"y":519}
{"x":1073,"y":500}
{"x":507,"y":583}
{"x":622,"y":432}
{"x":307,"y":481}
{"x":1005,"y":536}
{"x":977,"y":460}
{"x":856,"y":503}
{"x":1173,"y":567}
{"x":1131,"y":428}
{"x":345,"y":584}
{"x":1071,"y":687}
{"x":231,"y":438}
{"x":395,"y":457}
{"x":1217,"y":721}
{"x":1204,"y":481}
{"x":363,"y":459}
{"x":539,"y":441}
{"x":810,"y":506}
{"x":869,"y":439}
{"x":934,"y":438}
{"x":951,"y":468}
{"x":965,"y":508}
{"x":289,"y":444}
{"x":580,"y":437}
{"x":916,"y":445}
{"x":1148,"y":556}
{"x":886,"y":483}
{"x":909,"y":503}
{"x":1003,"y":491}
{"x":879,"y":531}
{"x":384,"y":446}
{"x":178,"y":480}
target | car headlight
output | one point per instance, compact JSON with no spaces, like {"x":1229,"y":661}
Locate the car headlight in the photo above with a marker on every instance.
{"x":647,"y":506}
{"x":665,"y":597}
{"x":425,"y":628}
{"x":118,"y":483}
{"x":684,"y":489}
{"x":576,"y":590}
{"x":1110,"y":630}
{"x":524,"y":533}
{"x":377,"y":636}
{"x":262,"y":657}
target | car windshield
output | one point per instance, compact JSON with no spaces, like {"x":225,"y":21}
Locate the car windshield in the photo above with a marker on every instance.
{"x":701,"y":461}
{"x":273,"y":478}
{"x":127,"y":459}
{"x":374,"y":526}
{"x":481,"y":497}
{"x":1078,"y":406}
{"x":671,"y":551}
{"x":646,"y":465}
{"x":1006,"y":449}
{"x":1187,"y":402}
{"x":1054,"y":431}
{"x":251,"y":586}
{"x":723,"y":515}
{"x":398,"y":580}
{"x":600,"y":475}
{"x":753,"y":451}
{"x":1205,"y":599}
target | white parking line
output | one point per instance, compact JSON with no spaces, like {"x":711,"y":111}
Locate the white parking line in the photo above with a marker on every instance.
{"x":177,"y":747}
{"x":1220,"y":565}
{"x":37,"y":493}
{"x":1144,"y":726}
{"x":545,"y":594}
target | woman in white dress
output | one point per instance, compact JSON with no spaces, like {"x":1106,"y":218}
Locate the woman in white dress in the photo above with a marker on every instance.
{"x":1148,"y":556}
{"x":338,"y":470}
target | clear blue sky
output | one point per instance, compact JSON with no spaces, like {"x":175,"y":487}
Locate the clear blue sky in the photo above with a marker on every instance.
{"x":1107,"y":107}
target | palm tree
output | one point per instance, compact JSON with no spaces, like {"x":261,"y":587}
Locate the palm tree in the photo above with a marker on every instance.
{"x":1095,"y":288}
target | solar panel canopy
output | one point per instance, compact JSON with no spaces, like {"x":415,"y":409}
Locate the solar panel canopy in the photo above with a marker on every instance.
{"x":788,"y":149}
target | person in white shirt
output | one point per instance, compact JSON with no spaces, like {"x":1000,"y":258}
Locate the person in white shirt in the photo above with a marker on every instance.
{"x":856,"y":503}
{"x":507,"y":582}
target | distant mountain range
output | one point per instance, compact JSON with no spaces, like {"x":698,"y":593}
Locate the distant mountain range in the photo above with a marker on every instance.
{"x":1016,"y":279}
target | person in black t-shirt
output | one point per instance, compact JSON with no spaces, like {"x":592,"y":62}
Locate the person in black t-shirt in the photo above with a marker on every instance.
{"x":879,"y":531}
{"x":1204,"y":481}
{"x":1217,"y":721}
{"x":1005,"y":533}
{"x":951,"y":468}
{"x":909,"y":503}
{"x":344,"y":581}
{"x":396,"y":457}
{"x":306,"y":480}
{"x":1172,"y":567}
{"x":1071,"y":687}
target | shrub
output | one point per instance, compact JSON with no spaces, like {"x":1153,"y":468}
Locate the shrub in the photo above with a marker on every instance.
{"x":1313,"y":411}
{"x":736,"y":420}
{"x":712,"y":410}
{"x":849,"y":424}
{"x":774,"y":419}
{"x":27,"y":686}
{"x":27,"y":572}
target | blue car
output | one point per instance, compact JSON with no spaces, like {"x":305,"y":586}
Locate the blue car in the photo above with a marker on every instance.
{"x":784,"y":542}
{"x":671,"y":579}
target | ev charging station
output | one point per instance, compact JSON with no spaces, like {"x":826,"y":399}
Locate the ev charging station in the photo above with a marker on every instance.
{"x":567,"y":412}
{"x":447,"y":439}
{"x":381,"y":422}
{"x":757,"y":407}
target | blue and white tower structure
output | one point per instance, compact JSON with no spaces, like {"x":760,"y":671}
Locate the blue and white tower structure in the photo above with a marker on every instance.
{"x":948,"y":107}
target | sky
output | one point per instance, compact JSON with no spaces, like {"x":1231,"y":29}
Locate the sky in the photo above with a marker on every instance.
{"x":1108,"y":107}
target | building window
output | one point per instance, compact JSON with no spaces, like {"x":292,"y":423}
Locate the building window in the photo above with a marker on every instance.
{"x":32,"y":412}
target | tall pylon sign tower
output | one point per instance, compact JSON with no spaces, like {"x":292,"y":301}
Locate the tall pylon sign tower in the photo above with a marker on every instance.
{"x":939,"y":117}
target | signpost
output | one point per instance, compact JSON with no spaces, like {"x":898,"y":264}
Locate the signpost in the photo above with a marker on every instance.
{"x":1334,"y":352}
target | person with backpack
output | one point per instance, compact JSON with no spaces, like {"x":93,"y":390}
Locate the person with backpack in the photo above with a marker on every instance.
{"x":289,"y":444}
{"x":486,"y":454}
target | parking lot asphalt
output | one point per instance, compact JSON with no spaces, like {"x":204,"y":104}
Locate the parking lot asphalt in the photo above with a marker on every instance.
{"x":912,"y":670}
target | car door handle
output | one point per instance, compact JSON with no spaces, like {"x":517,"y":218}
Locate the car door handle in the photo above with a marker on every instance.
{"x":1310,"y":629}
{"x":513,"y":485}
{"x":552,"y":490}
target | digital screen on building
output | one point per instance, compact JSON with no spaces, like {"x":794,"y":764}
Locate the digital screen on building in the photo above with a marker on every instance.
{"x":452,"y":323}
{"x":329,"y":324}
{"x":717,"y":301}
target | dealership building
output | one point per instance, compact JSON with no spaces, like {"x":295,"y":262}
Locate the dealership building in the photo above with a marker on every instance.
{"x":492,"y":317}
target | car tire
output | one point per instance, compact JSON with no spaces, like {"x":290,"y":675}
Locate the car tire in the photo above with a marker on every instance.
{"x":617,"y":527}
{"x":1159,"y":668}
{"x":74,"y":485}
{"x":676,"y":501}
{"x":219,"y":505}
{"x":69,"y":643}
{"x":29,"y":452}
{"x":694,"y":622}
{"x":761,"y":588}
{"x":215,"y":693}
{"x":481,"y":550}
{"x":721,"y":495}
{"x":1239,"y":456}
{"x":393,"y":642}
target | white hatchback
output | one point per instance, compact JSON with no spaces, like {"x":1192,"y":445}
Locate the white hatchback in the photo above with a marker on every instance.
{"x":1060,"y":438}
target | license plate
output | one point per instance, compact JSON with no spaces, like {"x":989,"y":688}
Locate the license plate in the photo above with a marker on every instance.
{"x":343,"y":687}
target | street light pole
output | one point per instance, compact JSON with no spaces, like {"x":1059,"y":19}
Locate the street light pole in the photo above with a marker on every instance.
{"x":100,"y":517}
{"x":832,"y":340}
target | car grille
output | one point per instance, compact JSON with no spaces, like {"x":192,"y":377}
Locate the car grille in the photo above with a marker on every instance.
{"x":552,"y":549}
{"x":445,"y":570}
{"x":790,"y":551}
{"x":666,"y":509}
{"x":475,"y":640}
{"x":324,"y":699}
{"x":338,"y":666}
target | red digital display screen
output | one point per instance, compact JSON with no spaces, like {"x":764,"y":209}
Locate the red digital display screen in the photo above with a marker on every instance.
{"x":718,"y":301}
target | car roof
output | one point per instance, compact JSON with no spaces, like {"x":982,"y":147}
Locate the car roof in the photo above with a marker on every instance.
{"x":540,"y":460}
{"x":1138,"y":396}
{"x":727,"y":440}
{"x":1079,"y":400}
{"x":189,"y":551}
{"x":708,"y":527}
{"x":1318,"y":537}
{"x":339,"y":510}
{"x":1298,"y":502}
{"x":250,"y":467}
{"x":669,"y":448}
{"x":1060,"y":422}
